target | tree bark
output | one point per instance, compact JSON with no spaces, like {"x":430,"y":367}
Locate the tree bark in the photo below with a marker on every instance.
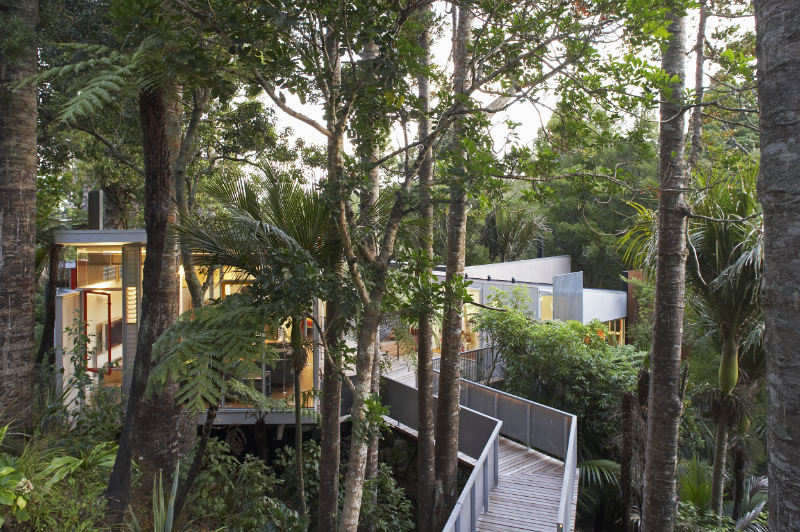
{"x":18,"y":166}
{"x":626,"y":461}
{"x":660,"y":499}
{"x":374,"y":388}
{"x":49,"y":330}
{"x":155,"y":149}
{"x":778,"y":54}
{"x":359,"y":448}
{"x":426,"y":459}
{"x":328,"y":506}
{"x":449,"y":384}
{"x":186,"y":486}
{"x":739,"y":471}
{"x":165,"y":432}
{"x":697,"y":113}
{"x":182,"y":196}
{"x":299,"y":356}
{"x":720,"y":453}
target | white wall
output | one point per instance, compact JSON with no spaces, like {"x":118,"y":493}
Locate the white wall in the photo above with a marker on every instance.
{"x":67,"y":302}
{"x":604,"y":305}
{"x":539,"y":271}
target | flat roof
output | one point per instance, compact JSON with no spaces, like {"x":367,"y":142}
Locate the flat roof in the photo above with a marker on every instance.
{"x":101,"y":237}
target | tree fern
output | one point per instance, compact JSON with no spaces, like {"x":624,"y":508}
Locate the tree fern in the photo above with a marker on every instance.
{"x":209,"y":344}
{"x":105,"y":74}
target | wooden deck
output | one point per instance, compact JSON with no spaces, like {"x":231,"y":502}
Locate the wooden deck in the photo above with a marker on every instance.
{"x":529,"y":489}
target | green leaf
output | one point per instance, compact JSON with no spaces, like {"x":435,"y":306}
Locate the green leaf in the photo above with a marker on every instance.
{"x":7,"y":497}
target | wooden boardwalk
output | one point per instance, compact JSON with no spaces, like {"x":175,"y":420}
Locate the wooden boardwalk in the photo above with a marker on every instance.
{"x":529,"y":489}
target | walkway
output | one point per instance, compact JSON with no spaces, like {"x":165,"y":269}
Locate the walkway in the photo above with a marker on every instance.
{"x":529,"y":490}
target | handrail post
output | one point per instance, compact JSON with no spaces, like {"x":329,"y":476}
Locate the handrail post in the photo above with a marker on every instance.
{"x":529,"y":426}
{"x":496,"y":396}
{"x":473,"y":523}
{"x":486,"y":487}
{"x":497,"y":461}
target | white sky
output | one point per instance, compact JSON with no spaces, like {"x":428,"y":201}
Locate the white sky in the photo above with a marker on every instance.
{"x":523,"y":112}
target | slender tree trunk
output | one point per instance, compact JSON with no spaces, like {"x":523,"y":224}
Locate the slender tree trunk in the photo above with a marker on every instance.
{"x":299,"y":356}
{"x":328,"y":507}
{"x":626,"y":461}
{"x":359,"y":448}
{"x":739,"y":472}
{"x":778,"y":53}
{"x":728,"y":376}
{"x":155,"y":148}
{"x":375,"y":385}
{"x":449,"y":390}
{"x":49,"y":331}
{"x":697,"y":113}
{"x":163,"y":431}
{"x":18,"y":166}
{"x":369,"y":196}
{"x":720,"y":453}
{"x":186,"y":486}
{"x":426,"y":458}
{"x":660,"y":499}
{"x":201,"y":99}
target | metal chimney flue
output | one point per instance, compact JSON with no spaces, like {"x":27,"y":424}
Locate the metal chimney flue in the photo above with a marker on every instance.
{"x":96,"y":209}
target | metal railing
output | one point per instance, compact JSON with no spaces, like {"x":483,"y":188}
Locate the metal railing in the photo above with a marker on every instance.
{"x":477,"y":364}
{"x":478,"y":438}
{"x":539,"y":426}
{"x":474,"y":499}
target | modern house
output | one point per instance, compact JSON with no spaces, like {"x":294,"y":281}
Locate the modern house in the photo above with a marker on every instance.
{"x":555,"y":293}
{"x":106,"y":292}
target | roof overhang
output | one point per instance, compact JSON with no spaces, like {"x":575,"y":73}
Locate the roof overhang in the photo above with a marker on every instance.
{"x":102,"y":237}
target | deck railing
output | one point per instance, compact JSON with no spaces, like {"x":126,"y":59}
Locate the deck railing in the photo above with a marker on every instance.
{"x":477,"y":365}
{"x":539,"y":426}
{"x":478,"y":438}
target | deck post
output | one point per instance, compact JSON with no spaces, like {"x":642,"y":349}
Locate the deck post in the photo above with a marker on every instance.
{"x":497,"y":461}
{"x":529,"y":426}
{"x":473,"y":511}
{"x":496,"y":396}
{"x":486,"y":487}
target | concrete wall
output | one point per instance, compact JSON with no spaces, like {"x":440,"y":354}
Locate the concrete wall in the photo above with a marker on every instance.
{"x":530,"y":271}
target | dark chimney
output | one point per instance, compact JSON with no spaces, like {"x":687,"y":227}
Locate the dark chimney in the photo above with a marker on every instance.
{"x":95,"y":209}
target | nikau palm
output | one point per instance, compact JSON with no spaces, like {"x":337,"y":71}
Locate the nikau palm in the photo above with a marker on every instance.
{"x":263,"y":216}
{"x":723,"y":271}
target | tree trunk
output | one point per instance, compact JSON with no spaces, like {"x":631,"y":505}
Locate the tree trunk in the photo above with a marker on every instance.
{"x":720,"y":454}
{"x":359,"y":448}
{"x":697,"y":113}
{"x":739,"y":469}
{"x":426,"y":474}
{"x":375,"y":386}
{"x":328,"y":507}
{"x":18,"y":166}
{"x":660,"y":499}
{"x":155,"y":149}
{"x":201,"y":99}
{"x":449,"y":390}
{"x":186,"y":486}
{"x":299,"y":357}
{"x":778,"y":53}
{"x":165,"y":432}
{"x":626,"y":461}
{"x":49,"y":331}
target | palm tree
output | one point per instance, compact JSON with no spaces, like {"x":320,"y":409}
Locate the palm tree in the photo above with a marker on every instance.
{"x":263,"y":215}
{"x":511,"y":234}
{"x":726,"y":282}
{"x":723,"y":272}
